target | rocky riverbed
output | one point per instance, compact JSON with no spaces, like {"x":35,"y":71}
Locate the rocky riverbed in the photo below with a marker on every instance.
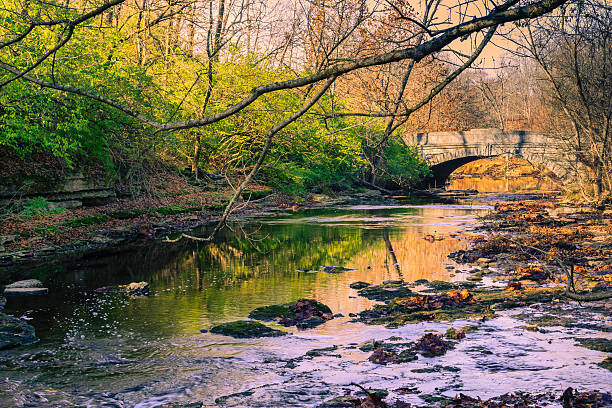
{"x":402,"y":323}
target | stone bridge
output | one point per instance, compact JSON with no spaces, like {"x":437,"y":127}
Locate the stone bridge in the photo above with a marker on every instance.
{"x":447,"y":151}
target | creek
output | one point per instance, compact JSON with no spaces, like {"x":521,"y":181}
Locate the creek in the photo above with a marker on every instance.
{"x":99,"y":350}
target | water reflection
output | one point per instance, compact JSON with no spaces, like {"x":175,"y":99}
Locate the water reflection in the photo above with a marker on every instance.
{"x":499,"y":185}
{"x":98,"y":349}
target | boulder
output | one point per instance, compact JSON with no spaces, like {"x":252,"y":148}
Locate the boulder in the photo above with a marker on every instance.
{"x":137,"y":289}
{"x":28,"y":283}
{"x":132,"y":289}
{"x":310,"y":322}
{"x":243,"y":329}
{"x":25,"y":291}
{"x":2,"y":303}
{"x":359,"y":285}
{"x":15,"y":332}
{"x":304,"y":313}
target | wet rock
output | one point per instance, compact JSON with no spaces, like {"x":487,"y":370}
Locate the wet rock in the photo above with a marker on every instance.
{"x":137,"y":289}
{"x":359,"y":285}
{"x":25,"y":291}
{"x":432,"y":345}
{"x":15,"y":332}
{"x":308,"y":323}
{"x":369,"y":345}
{"x":407,"y":390}
{"x":304,"y":313}
{"x":393,"y":282}
{"x":441,"y":285}
{"x":374,"y":392}
{"x":533,"y":273}
{"x":335,"y":269}
{"x":386,"y":292}
{"x":187,"y":405}
{"x":476,"y":304}
{"x":132,"y":289}
{"x":25,"y":287}
{"x":323,"y":352}
{"x":453,"y":305}
{"x":7,"y":239}
{"x":569,"y":399}
{"x":27,"y":283}
{"x":607,"y":364}
{"x":226,"y":398}
{"x":436,"y":369}
{"x":381,"y":356}
{"x":483,"y":261}
{"x":454,"y":334}
{"x":272,"y":312}
{"x":463,"y":257}
{"x":243,"y":329}
{"x":514,"y":285}
{"x":290,"y":364}
{"x":598,"y":344}
{"x":2,"y":303}
{"x":573,"y":399}
{"x":388,"y":353}
{"x":374,"y":399}
{"x":341,"y":402}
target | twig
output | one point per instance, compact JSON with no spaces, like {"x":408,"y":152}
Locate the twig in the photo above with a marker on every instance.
{"x":570,"y":289}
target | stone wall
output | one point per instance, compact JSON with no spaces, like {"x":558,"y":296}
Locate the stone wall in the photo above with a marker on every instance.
{"x":71,"y":191}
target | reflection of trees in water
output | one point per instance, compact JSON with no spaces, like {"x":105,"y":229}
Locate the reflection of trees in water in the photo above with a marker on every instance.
{"x":196,"y":284}
{"x":286,"y":248}
{"x":391,"y":254}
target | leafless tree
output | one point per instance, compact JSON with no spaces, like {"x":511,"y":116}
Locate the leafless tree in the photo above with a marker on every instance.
{"x":573,"y":49}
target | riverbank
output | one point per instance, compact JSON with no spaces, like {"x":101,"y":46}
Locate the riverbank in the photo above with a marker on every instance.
{"x":30,"y":237}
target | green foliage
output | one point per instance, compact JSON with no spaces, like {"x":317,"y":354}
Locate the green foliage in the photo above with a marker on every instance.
{"x":38,"y":206}
{"x":403,"y":164}
{"x":47,"y":230}
{"x":256,"y":194}
{"x":309,"y":155}
{"x":177,"y":209}
{"x":86,"y":221}
{"x":127,"y":214}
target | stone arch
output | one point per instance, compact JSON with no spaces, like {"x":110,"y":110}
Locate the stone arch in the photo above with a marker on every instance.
{"x":446,"y":151}
{"x":442,"y":170}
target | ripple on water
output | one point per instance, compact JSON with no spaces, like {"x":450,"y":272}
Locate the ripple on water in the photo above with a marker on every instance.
{"x":113,"y":351}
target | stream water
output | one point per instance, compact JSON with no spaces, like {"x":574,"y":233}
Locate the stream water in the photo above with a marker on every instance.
{"x":113,"y":351}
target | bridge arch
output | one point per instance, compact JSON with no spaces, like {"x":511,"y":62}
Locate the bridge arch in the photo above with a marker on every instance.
{"x":447,"y":151}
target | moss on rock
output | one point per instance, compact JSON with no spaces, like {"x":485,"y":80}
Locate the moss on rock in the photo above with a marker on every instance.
{"x":268,"y":313}
{"x":454,"y":304}
{"x":598,"y":344}
{"x":303,"y":313}
{"x":359,"y":285}
{"x":243,"y":329}
{"x":15,"y":332}
{"x":386,"y":292}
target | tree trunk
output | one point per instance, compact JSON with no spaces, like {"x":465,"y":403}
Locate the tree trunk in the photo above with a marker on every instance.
{"x":195,"y":160}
